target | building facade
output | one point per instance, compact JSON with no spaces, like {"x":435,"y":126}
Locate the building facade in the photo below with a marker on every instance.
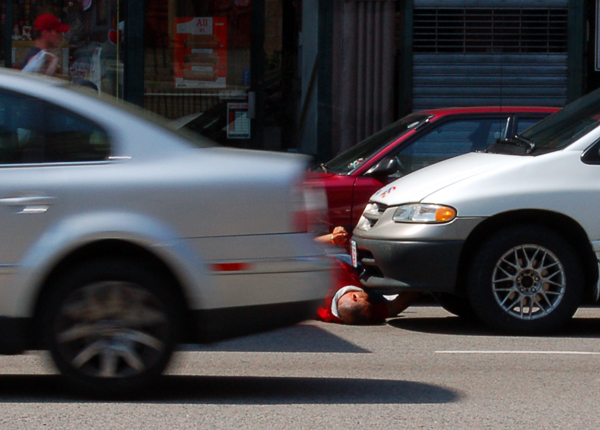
{"x":316,"y":76}
{"x":179,"y":58}
{"x":456,"y":53}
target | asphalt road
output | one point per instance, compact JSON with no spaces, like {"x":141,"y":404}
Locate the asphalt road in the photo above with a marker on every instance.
{"x":425,"y":370}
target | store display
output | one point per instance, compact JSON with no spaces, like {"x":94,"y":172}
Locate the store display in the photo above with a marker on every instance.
{"x":200,"y":52}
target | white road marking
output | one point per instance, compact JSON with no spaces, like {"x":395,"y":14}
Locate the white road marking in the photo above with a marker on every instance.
{"x":521,"y":352}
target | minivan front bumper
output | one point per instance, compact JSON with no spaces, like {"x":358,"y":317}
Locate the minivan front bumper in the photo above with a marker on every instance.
{"x":392,"y":266}
{"x":400,"y":257}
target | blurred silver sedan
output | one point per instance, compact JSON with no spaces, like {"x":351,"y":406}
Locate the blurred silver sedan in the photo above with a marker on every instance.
{"x":122,"y":238}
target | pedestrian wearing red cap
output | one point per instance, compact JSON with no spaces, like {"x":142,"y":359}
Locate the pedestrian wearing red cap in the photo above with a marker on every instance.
{"x":49,"y":32}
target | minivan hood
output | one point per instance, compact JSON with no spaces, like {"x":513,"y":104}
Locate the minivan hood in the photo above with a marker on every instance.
{"x":418,"y":185}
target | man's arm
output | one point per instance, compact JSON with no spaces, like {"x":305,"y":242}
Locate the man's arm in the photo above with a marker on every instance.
{"x":338,"y":237}
{"x":400,"y":303}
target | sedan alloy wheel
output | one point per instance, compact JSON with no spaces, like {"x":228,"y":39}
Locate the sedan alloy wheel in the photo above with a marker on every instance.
{"x":110,"y":326}
{"x":111,"y":330}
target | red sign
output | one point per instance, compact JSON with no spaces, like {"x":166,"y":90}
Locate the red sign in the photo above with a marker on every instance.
{"x":200,"y":57}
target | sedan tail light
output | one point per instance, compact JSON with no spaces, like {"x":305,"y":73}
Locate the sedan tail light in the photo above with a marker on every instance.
{"x":310,"y":206}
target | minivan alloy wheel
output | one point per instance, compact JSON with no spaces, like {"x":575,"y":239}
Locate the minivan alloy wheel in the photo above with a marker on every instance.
{"x":529,"y":281}
{"x":525,"y":279}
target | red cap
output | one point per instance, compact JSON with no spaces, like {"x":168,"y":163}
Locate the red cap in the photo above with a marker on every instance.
{"x":50,"y":22}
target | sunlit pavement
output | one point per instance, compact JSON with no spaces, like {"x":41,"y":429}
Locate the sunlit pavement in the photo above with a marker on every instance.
{"x":425,"y":369}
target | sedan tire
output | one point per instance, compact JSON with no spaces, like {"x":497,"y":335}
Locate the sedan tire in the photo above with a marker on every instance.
{"x":525,"y":279}
{"x":110,"y":326}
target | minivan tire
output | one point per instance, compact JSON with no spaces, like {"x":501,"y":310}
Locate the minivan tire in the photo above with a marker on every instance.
{"x":525,"y":279}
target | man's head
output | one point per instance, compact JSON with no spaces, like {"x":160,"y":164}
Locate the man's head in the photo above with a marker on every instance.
{"x":355,"y":307}
{"x":49,"y":30}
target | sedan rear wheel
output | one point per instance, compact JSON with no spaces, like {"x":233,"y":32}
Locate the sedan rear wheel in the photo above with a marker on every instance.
{"x":110,"y":327}
{"x":526,"y":279}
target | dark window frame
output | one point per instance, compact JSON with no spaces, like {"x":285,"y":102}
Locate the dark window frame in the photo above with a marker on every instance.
{"x":592,"y":154}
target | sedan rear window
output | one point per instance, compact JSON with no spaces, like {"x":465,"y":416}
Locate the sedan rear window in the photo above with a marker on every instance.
{"x":33,"y":131}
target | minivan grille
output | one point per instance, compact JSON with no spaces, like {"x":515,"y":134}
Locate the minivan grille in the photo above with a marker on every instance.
{"x":372,"y":214}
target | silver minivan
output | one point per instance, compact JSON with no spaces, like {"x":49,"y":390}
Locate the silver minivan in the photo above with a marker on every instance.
{"x":510,"y":235}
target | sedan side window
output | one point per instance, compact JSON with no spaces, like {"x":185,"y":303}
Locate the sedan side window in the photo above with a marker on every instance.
{"x":449,"y":140}
{"x":20,"y":129}
{"x":33,"y":131}
{"x":70,"y":137}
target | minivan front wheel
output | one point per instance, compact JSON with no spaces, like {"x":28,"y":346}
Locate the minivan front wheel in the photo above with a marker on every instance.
{"x":525,"y":279}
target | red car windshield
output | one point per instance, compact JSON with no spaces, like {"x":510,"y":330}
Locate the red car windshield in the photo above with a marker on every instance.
{"x":351,"y":159}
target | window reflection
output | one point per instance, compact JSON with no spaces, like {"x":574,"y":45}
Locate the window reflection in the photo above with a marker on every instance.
{"x":197,"y":66}
{"x":91,"y":53}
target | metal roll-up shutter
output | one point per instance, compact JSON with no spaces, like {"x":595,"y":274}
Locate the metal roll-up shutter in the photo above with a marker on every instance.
{"x":506,"y":53}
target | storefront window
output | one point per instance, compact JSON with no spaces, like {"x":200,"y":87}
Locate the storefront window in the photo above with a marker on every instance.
{"x":91,"y":52}
{"x":197,"y":65}
{"x":204,"y":65}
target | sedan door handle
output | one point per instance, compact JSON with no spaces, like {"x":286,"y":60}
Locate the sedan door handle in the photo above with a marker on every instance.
{"x":29,"y":204}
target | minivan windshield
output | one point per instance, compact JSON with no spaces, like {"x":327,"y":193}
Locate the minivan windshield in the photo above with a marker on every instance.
{"x":349,"y":160}
{"x":556,"y":131}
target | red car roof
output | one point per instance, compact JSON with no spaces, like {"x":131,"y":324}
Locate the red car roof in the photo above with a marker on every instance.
{"x":488,"y":109}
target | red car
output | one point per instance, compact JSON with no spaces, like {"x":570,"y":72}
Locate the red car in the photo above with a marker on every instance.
{"x":411,"y":143}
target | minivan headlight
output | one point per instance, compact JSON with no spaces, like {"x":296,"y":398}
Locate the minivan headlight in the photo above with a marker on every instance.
{"x":424,"y":213}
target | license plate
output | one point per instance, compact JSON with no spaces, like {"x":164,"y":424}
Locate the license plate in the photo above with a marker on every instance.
{"x":353,"y":253}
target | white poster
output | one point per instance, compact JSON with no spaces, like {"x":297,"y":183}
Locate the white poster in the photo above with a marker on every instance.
{"x":238,"y":126}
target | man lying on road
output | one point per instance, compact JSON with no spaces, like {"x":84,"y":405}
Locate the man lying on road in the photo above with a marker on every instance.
{"x":347,"y":302}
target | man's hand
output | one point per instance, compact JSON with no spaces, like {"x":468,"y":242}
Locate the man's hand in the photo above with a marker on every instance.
{"x":339,"y":236}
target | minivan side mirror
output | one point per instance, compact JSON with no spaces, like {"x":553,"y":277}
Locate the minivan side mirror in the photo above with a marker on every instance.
{"x":386,"y":167}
